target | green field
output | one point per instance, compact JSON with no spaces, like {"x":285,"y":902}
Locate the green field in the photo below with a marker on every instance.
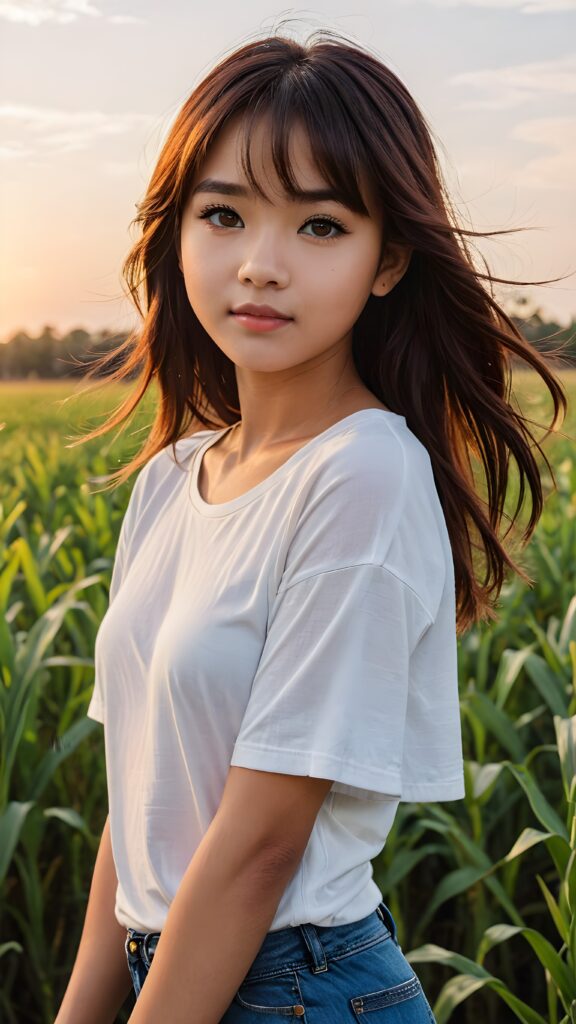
{"x":483,"y":889}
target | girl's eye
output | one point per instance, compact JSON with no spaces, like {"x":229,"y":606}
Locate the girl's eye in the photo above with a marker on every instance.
{"x":325,"y":221}
{"x":209,"y":211}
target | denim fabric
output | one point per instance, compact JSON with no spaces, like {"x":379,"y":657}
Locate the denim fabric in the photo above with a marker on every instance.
{"x":320,"y":975}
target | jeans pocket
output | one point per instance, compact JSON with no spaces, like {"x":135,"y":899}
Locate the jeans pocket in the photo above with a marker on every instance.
{"x":279,"y":994}
{"x":398,"y":1004}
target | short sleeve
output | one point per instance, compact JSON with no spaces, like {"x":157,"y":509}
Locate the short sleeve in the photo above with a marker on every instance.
{"x":329,"y":697}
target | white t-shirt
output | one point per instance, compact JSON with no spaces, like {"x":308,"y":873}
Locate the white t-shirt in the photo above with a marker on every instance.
{"x":306,"y":627}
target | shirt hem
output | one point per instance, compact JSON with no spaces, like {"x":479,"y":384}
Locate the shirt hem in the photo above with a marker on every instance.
{"x":310,"y":762}
{"x":434,"y":792}
{"x":95,"y":712}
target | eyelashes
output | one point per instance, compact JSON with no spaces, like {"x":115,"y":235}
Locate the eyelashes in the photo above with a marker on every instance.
{"x":212,"y":208}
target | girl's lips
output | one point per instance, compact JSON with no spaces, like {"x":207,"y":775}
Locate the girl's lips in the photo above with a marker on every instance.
{"x":261,"y":323}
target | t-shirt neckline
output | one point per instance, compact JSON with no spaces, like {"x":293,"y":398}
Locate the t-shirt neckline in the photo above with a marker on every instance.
{"x":226,"y":507}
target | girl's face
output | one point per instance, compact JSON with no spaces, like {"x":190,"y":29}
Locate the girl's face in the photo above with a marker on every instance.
{"x":313,"y":261}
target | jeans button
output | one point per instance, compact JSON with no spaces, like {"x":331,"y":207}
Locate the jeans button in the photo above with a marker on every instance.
{"x":133,"y":946}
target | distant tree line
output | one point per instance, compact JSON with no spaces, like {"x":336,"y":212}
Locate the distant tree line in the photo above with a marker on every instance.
{"x":51,"y":356}
{"x":54,"y":356}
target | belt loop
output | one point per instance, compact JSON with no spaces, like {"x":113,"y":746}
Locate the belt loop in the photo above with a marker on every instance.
{"x":315,"y":948}
{"x":148,"y":938}
{"x":386,"y":916}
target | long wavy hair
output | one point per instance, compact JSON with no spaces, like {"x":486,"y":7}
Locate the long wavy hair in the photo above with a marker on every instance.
{"x":436,"y":349}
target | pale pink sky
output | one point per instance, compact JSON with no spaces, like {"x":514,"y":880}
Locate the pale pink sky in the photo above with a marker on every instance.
{"x":89,"y":90}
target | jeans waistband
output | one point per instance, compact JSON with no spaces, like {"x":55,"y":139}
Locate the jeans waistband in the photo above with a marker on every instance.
{"x":309,"y":942}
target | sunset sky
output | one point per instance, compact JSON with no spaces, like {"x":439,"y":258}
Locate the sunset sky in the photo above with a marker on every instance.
{"x":89,"y":90}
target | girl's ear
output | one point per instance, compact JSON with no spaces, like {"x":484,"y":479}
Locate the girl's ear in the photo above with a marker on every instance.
{"x":392,"y":268}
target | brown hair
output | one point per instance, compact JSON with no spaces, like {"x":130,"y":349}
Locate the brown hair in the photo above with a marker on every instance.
{"x":436,"y":349}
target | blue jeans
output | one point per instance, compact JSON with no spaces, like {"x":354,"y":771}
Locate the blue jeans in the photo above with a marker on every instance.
{"x":322,"y":975}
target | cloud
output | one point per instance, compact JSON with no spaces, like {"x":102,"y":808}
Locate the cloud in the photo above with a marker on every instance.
{"x":126,"y":19}
{"x":522,"y":6}
{"x":509,"y":87}
{"x":49,"y":131}
{"x":555,"y":169}
{"x":515,"y":86}
{"x":550,"y":170}
{"x":118,"y":169}
{"x":35,"y":13}
{"x":13,"y":149}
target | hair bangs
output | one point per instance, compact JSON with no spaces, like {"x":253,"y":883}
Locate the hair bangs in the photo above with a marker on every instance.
{"x":336,"y":155}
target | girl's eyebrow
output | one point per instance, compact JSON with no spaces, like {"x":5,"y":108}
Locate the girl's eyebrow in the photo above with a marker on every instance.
{"x":229,"y":188}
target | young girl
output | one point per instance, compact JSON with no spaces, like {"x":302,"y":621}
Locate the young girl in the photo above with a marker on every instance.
{"x":277,"y":669}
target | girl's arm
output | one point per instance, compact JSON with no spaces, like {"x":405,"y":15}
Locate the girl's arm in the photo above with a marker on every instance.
{"x":100,"y":979}
{"x":228,"y":896}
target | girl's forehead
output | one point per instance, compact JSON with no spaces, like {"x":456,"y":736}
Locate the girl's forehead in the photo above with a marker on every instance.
{"x":235,"y":137}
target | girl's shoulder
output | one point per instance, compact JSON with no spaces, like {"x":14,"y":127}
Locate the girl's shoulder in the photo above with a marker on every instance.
{"x":378,"y":454}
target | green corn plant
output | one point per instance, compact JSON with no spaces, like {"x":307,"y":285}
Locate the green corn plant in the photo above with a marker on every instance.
{"x":57,"y":539}
{"x":25,"y":664}
{"x":558,"y":965}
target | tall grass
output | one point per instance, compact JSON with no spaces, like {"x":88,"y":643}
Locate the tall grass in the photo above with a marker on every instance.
{"x":483,"y":889}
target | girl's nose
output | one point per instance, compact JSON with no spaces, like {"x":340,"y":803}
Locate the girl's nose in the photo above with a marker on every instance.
{"x":263,"y":265}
